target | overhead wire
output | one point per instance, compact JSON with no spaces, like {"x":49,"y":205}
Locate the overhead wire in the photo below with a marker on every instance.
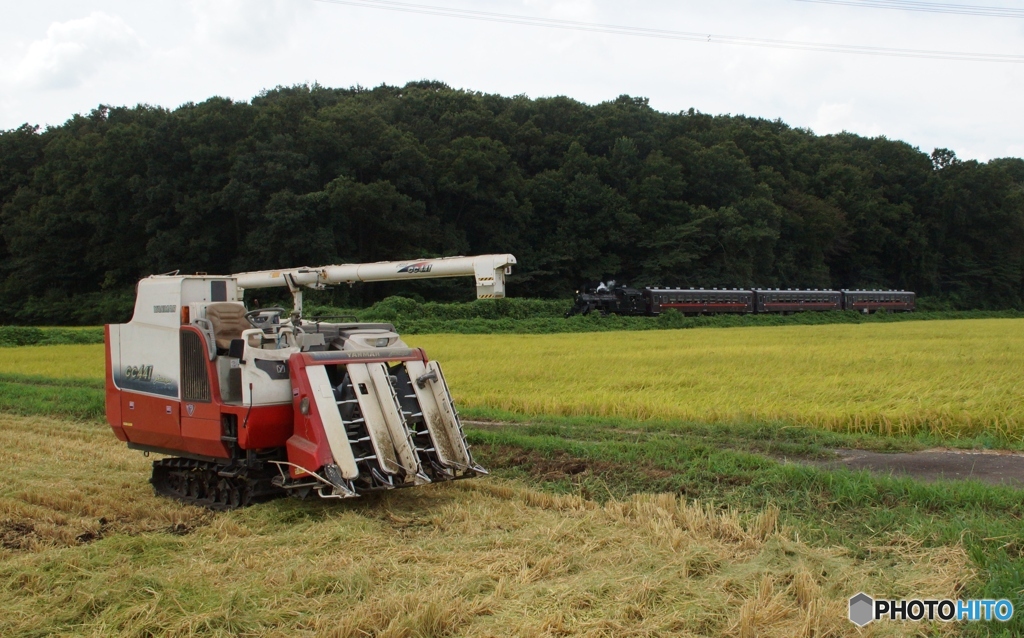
{"x":928,"y":7}
{"x":687,"y":36}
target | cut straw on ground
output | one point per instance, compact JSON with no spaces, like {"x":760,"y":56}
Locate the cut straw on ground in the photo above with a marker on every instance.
{"x":89,"y":550}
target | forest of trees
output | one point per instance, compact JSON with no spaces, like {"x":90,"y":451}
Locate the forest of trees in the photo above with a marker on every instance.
{"x":310,"y":175}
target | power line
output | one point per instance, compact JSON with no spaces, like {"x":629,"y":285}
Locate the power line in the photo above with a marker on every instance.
{"x":687,"y":36}
{"x":928,"y":7}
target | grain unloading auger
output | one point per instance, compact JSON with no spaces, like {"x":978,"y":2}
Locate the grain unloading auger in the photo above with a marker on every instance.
{"x":252,"y":404}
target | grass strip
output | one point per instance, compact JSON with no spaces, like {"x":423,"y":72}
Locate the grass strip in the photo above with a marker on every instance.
{"x":526,"y":316}
{"x":33,"y":395}
{"x":535,"y":316}
{"x":14,"y":336}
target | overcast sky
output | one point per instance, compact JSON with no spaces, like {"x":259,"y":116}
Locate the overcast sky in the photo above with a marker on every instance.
{"x":60,"y":57}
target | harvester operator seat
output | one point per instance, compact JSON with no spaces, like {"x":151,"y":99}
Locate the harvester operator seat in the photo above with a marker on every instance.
{"x":228,"y":320}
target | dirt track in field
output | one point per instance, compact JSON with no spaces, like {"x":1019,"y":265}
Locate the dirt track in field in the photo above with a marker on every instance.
{"x":997,"y":468}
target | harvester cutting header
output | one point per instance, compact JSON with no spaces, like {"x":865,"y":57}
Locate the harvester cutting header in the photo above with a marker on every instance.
{"x":252,"y":404}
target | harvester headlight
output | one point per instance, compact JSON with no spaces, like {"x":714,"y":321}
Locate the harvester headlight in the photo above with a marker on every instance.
{"x":382,"y":342}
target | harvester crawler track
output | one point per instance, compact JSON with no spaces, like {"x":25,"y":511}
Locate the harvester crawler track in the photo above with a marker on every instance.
{"x":213,"y":486}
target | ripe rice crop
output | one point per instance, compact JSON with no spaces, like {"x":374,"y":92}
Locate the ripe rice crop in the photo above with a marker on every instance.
{"x":949,"y":378}
{"x":62,"y":362}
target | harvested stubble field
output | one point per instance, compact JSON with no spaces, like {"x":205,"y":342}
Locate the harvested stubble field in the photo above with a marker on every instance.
{"x":87,"y":549}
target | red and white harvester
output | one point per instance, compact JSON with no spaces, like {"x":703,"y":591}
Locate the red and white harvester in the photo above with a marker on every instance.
{"x":252,"y":404}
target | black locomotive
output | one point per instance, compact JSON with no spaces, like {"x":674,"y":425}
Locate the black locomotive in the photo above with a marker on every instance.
{"x":623,"y":300}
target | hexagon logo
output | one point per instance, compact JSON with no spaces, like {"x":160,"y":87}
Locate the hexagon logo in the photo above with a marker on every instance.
{"x":862,"y":609}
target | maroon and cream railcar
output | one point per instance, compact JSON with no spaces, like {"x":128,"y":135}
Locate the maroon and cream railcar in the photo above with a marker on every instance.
{"x":622,"y":300}
{"x":698,"y":301}
{"x":867,"y":301}
{"x":786,"y":301}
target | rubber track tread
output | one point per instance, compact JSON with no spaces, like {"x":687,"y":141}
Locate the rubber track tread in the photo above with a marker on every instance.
{"x":200,"y":483}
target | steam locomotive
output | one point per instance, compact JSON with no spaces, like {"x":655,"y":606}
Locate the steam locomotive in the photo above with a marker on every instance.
{"x":623,"y":300}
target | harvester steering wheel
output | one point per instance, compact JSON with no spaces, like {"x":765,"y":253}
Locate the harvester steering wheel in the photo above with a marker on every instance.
{"x":253,"y":315}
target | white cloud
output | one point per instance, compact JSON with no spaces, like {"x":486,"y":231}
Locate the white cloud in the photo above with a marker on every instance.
{"x":561,"y":9}
{"x":832,"y":118}
{"x":236,"y":48}
{"x":248,"y":24}
{"x":75,"y":50}
{"x":1013,"y":150}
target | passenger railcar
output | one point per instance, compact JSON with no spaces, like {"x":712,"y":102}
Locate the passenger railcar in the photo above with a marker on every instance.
{"x":879,"y":300}
{"x":623,"y":300}
{"x":698,"y":301}
{"x":786,"y":301}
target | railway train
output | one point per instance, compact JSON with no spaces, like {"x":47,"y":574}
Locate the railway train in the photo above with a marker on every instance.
{"x":624,"y":300}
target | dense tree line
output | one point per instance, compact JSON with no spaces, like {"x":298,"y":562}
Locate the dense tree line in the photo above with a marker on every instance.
{"x":310,"y":175}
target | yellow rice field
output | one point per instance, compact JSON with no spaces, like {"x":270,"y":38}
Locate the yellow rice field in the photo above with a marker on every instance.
{"x":949,"y":377}
{"x":64,"y":362}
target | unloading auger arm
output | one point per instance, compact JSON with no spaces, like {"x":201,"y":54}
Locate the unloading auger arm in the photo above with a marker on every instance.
{"x":488,"y":271}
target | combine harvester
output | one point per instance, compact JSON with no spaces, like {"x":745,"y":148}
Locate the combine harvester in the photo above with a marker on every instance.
{"x":254,"y":404}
